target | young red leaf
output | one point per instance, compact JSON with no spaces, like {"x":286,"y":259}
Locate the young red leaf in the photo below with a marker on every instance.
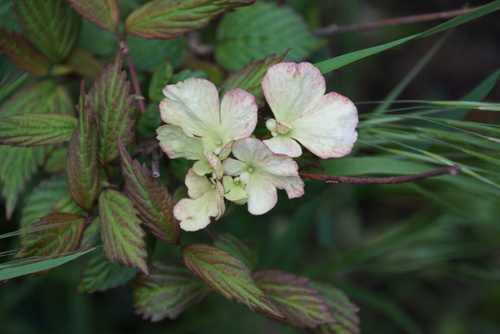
{"x":36,"y":129}
{"x":229,"y":276}
{"x":51,"y":25}
{"x":112,"y":105}
{"x":22,"y":54}
{"x":82,"y":165}
{"x":174,"y":18}
{"x":250,"y":77}
{"x":169,"y":290}
{"x":121,"y":233}
{"x":341,"y":308}
{"x":302,"y":305}
{"x":242,"y":249}
{"x":103,"y":13}
{"x":58,"y":233}
{"x":151,"y":199}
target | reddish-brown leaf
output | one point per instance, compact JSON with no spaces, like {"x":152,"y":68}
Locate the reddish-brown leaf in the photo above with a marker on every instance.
{"x":103,"y":13}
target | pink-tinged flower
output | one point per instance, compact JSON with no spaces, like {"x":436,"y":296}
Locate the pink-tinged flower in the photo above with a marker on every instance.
{"x":194,"y":106}
{"x":324,"y":124}
{"x":263,"y":171}
{"x":206,"y":201}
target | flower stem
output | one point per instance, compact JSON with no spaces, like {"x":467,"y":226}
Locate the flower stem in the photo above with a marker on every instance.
{"x":452,"y":170}
{"x":133,"y":76}
{"x":334,"y":29}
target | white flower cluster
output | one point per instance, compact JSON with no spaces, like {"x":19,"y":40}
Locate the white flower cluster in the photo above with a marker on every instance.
{"x":232,"y":165}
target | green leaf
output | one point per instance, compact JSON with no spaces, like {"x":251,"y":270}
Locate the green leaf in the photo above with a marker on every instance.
{"x":184,"y":74}
{"x":22,"y":54}
{"x":149,"y":121}
{"x":337,"y":62}
{"x":26,"y":267}
{"x":167,"y":19}
{"x":373,"y":165}
{"x":121,"y":233}
{"x":169,"y":290}
{"x":229,"y":276}
{"x":98,"y":274}
{"x":245,"y":250}
{"x":250,"y":77}
{"x":61,"y":233}
{"x":261,"y":30}
{"x":43,"y":198}
{"x":45,"y":97}
{"x":148,"y":54}
{"x":103,"y":13}
{"x":302,"y":305}
{"x":112,"y":106}
{"x":36,"y":129}
{"x":17,"y":166}
{"x":82,"y":165}
{"x":342,"y":310}
{"x":51,"y":25}
{"x":151,"y":199}
{"x":161,"y":77}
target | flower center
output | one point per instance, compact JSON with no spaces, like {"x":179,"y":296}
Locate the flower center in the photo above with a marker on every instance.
{"x":277,"y":128}
{"x":218,"y":147}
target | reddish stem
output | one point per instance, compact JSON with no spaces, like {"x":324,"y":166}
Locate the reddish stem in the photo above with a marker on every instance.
{"x":333,"y":29}
{"x":452,"y":170}
{"x":133,"y":76}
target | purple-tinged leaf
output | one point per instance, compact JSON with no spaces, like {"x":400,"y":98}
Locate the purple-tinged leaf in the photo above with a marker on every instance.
{"x":56,"y":233}
{"x":51,"y":25}
{"x":103,"y":13}
{"x":112,"y":106}
{"x":245,"y":250}
{"x":341,"y":308}
{"x":173,"y":18}
{"x":302,"y":305}
{"x":151,"y":199}
{"x":121,"y":232}
{"x":22,"y":54}
{"x":169,"y":290}
{"x":250,"y":77}
{"x":36,"y":129}
{"x":97,"y":273}
{"x":229,"y":276}
{"x":82,"y":165}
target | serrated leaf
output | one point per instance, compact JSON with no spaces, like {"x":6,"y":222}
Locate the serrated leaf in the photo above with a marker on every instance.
{"x":43,"y":198}
{"x":302,"y":305}
{"x":173,"y":18}
{"x":112,"y":106}
{"x":36,"y":129}
{"x":161,"y":77}
{"x":22,"y":54}
{"x":51,"y":25}
{"x":121,"y":233}
{"x":250,"y":77}
{"x":341,"y":308}
{"x":169,"y":290}
{"x":103,"y":13}
{"x":26,"y":267}
{"x":82,"y":165}
{"x":261,"y":30}
{"x":61,"y":233}
{"x":97,"y":273}
{"x":45,"y":97}
{"x":151,"y":199}
{"x":229,"y":276}
{"x":17,"y":166}
{"x":244,"y":250}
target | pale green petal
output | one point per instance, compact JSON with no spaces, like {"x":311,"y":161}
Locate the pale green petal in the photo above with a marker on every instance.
{"x":238,"y":115}
{"x":235,"y":190}
{"x":263,"y":195}
{"x":176,"y":144}
{"x":283,"y":144}
{"x":234,"y":167}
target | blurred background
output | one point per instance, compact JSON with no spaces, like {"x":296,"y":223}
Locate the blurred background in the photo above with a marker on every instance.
{"x":416,"y":258}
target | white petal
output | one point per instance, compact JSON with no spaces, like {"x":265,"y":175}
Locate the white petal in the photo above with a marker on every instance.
{"x":328,"y":129}
{"x":177,"y":144}
{"x":238,"y":115}
{"x":263,"y":195}
{"x":195,"y":214}
{"x":193,"y":105}
{"x":290,"y":89}
{"x":197,"y":185}
{"x":234,"y":167}
{"x":283,"y":144}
